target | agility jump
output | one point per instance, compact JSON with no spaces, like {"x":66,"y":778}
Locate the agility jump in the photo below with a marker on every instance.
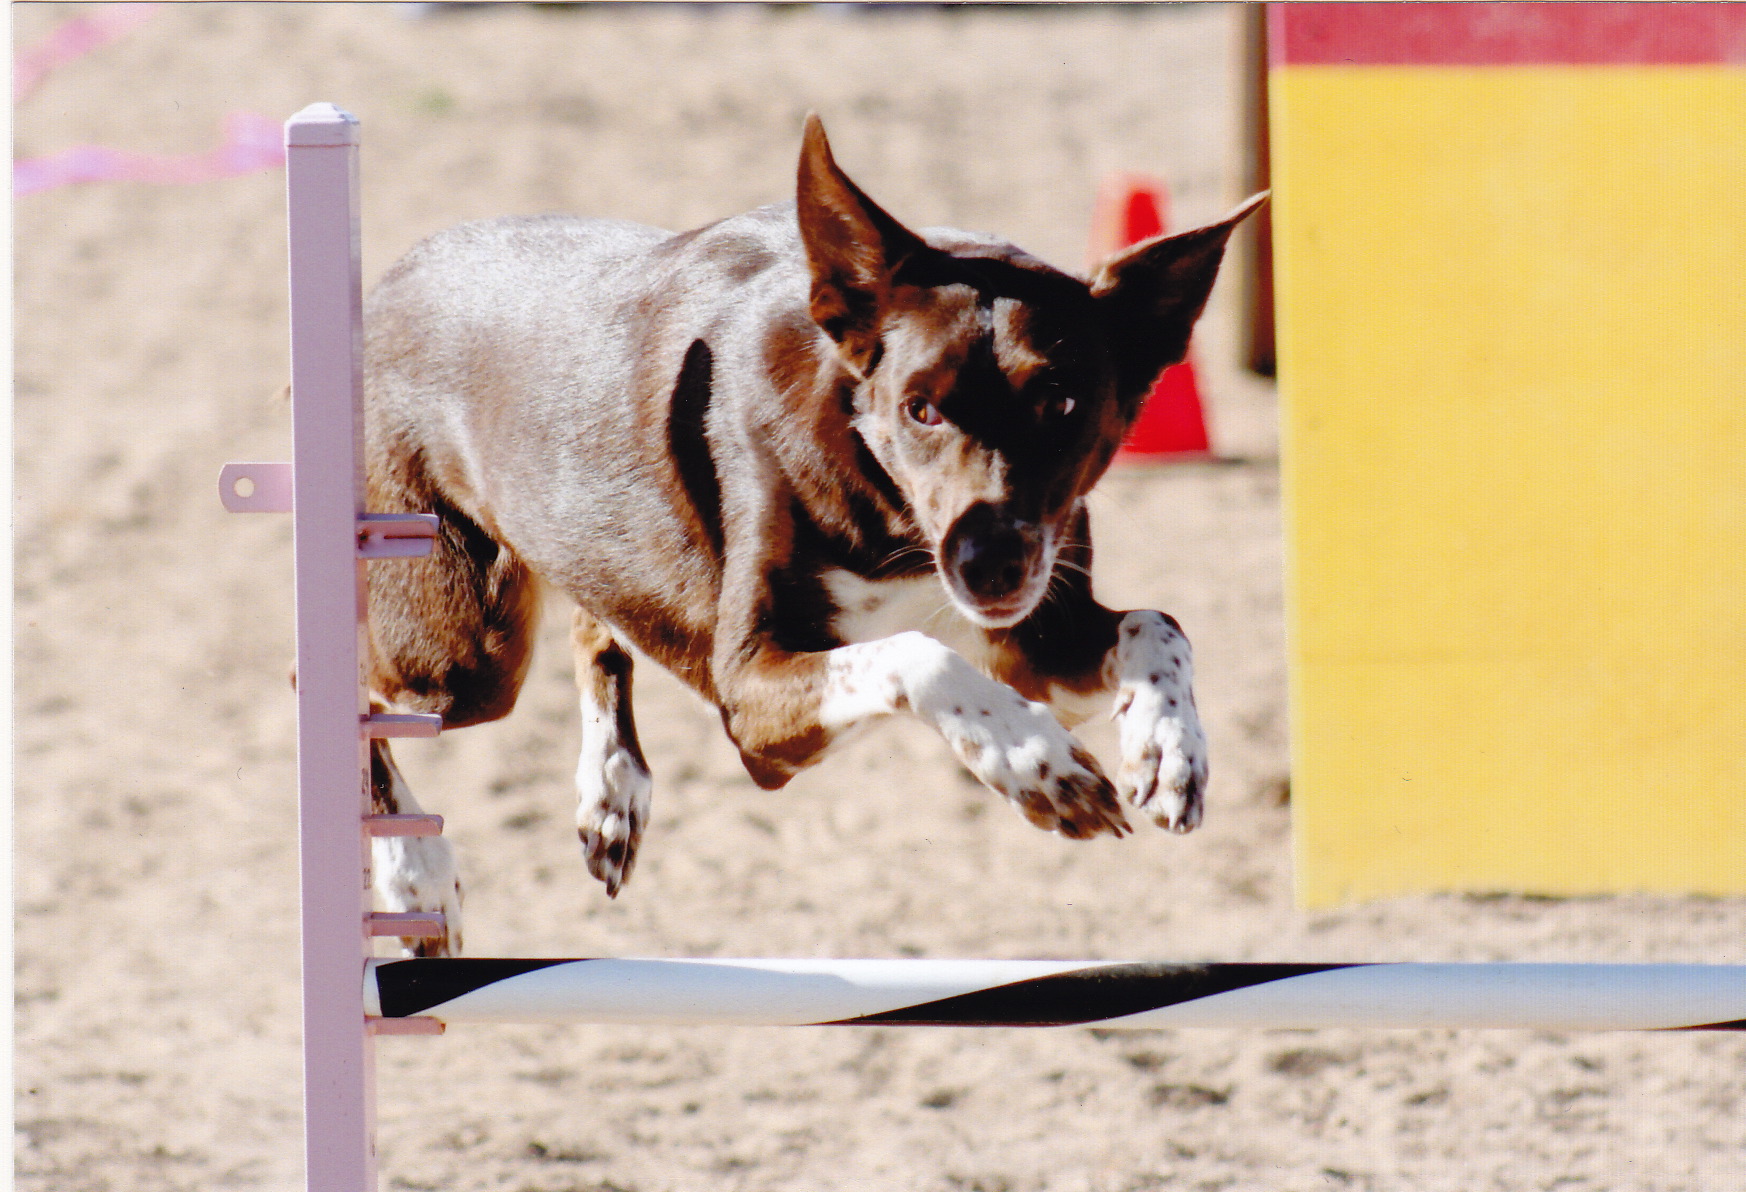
{"x":348,"y":996}
{"x":1589,"y":997}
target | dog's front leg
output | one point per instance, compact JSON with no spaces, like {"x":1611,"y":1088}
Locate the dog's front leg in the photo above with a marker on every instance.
{"x":1163,"y":769}
{"x":1076,"y":654}
{"x":785,"y":709}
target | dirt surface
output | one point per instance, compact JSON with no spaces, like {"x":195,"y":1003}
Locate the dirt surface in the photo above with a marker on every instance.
{"x":157,"y":1027}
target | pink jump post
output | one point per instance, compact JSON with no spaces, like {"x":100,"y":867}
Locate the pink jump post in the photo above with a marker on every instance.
{"x":334,"y":538}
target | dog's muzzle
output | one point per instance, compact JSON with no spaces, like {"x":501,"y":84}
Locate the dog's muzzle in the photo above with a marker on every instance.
{"x":991,"y":562}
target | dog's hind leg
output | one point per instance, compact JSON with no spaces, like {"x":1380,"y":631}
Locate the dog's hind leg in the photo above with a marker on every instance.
{"x":412,"y":873}
{"x":449,"y":635}
{"x":612,"y":779}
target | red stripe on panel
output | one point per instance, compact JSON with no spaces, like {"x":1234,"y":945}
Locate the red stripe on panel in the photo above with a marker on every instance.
{"x":1507,"y":34}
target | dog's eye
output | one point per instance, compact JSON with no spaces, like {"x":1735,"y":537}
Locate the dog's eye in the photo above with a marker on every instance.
{"x":921,"y":410}
{"x":1058,"y":407}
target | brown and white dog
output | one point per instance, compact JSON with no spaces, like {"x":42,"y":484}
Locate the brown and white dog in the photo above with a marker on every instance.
{"x":821,"y":467}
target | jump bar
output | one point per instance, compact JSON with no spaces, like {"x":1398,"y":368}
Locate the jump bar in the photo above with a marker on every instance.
{"x":1558,"y":997}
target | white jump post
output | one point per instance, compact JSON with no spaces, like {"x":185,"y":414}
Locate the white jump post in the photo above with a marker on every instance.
{"x":348,"y":997}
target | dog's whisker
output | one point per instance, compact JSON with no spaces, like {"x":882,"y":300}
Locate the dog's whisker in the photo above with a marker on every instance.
{"x":903,"y":553}
{"x":1057,"y":591}
{"x":945,"y":606}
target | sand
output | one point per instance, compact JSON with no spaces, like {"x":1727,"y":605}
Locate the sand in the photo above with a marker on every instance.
{"x":157,"y":1036}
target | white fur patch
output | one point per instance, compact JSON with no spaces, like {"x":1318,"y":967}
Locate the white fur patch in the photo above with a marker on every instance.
{"x":1163,"y":769}
{"x":874,"y":678}
{"x":876,"y":609}
{"x":417,"y":873}
{"x":1011,"y":744}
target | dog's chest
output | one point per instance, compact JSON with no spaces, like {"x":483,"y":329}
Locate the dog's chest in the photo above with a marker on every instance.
{"x":872,"y":609}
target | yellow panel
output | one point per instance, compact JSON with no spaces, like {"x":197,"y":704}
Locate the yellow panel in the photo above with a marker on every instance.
{"x":1512,"y":351}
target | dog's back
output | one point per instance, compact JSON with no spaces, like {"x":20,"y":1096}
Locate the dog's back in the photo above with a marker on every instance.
{"x":546,"y":377}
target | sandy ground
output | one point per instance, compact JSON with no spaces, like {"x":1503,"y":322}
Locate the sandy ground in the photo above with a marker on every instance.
{"x":157,"y":999}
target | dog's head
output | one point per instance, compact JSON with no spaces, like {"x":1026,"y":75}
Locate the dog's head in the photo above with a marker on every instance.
{"x":992,"y":388}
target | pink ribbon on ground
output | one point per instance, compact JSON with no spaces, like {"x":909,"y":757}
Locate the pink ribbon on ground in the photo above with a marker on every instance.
{"x":74,"y":39}
{"x":251,"y":143}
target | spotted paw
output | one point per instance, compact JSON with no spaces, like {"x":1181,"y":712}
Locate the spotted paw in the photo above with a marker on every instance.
{"x":1019,"y":749}
{"x":611,"y":814}
{"x":1163,"y":769}
{"x":1009,"y":743}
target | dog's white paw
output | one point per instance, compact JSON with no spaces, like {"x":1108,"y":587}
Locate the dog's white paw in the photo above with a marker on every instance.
{"x":1163,"y":769}
{"x":1010,"y":744}
{"x":1016,"y":747}
{"x":417,"y":873}
{"x":612,"y":811}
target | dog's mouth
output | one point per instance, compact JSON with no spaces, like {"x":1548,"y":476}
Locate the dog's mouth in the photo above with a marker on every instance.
{"x":996,"y":566}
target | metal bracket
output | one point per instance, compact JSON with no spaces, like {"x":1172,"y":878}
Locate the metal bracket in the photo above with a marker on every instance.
{"x":417,"y":1025}
{"x":403,"y":825}
{"x":401,"y":724}
{"x":410,"y":924}
{"x":267,"y":488}
{"x":255,"y":488}
{"x":397,"y":535}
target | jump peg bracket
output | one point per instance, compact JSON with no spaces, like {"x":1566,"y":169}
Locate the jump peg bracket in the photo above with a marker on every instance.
{"x":397,"y":535}
{"x":401,"y":724}
{"x":403,"y":825}
{"x":407,"y":924}
{"x":255,"y":487}
{"x":416,"y":1025}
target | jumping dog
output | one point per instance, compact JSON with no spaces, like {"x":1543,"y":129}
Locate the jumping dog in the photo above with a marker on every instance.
{"x":820,"y":466}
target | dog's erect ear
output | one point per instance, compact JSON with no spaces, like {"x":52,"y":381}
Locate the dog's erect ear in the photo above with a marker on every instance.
{"x":852,"y":248}
{"x":1152,"y":293}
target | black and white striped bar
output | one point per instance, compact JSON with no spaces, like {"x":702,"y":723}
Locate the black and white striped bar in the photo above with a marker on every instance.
{"x":1560,"y":997}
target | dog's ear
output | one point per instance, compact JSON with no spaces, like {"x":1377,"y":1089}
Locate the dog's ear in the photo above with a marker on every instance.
{"x":1152,"y":292}
{"x":852,"y":249}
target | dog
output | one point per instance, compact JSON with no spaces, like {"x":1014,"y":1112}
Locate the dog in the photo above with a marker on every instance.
{"x":821,"y":467}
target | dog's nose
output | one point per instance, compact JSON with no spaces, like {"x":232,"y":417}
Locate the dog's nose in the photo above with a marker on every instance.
{"x":990,"y":551}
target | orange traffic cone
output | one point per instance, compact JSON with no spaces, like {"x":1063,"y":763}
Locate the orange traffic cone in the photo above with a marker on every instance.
{"x":1172,"y":423}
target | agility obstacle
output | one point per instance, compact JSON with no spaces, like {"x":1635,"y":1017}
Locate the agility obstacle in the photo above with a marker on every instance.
{"x":1510,"y":243}
{"x":1586,"y":997}
{"x":349,"y":996}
